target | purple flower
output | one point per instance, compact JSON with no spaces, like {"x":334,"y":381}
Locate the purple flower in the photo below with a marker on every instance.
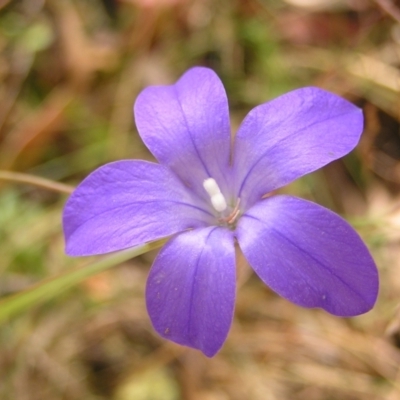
{"x":210,"y":194}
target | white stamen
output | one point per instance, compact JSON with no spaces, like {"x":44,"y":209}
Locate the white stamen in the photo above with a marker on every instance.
{"x":211,"y":186}
{"x":218,"y":202}
{"x":217,"y":198}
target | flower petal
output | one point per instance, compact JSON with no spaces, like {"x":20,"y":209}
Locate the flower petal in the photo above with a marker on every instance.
{"x":309,"y":255}
{"x":290,"y":136}
{"x":186,"y":127}
{"x":127,"y":203}
{"x":191,"y":289}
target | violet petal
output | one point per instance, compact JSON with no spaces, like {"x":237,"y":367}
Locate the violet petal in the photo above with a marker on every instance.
{"x":127,"y":203}
{"x":290,"y":136}
{"x":190,"y":291}
{"x":186,"y":127}
{"x":309,"y":255}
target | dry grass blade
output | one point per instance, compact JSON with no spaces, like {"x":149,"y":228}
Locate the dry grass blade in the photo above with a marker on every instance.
{"x":35,"y":181}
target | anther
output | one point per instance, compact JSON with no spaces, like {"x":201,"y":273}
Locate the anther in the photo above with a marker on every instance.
{"x":218,"y":202}
{"x":217,"y":198}
{"x":211,"y":186}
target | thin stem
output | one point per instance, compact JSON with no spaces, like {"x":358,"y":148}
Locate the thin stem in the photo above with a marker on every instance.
{"x":48,"y":288}
{"x":390,"y":8}
{"x":36,"y":181}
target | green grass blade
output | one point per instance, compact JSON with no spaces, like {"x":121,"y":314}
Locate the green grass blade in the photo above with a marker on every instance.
{"x":48,"y":288}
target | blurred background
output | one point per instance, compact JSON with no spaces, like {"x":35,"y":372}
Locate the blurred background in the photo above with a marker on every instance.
{"x":70,"y":71}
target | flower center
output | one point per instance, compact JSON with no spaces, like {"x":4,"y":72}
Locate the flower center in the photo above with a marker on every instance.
{"x":228,"y":215}
{"x":217,"y":198}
